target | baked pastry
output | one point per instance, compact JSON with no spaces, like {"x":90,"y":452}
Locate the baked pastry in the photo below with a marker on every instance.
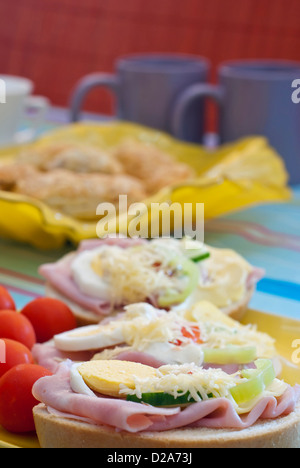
{"x":78,"y":195}
{"x":76,"y":157}
{"x":74,"y":178}
{"x":12,"y":172}
{"x":156,"y":168}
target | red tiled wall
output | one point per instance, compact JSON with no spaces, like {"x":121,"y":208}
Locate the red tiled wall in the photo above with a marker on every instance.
{"x":56,"y":42}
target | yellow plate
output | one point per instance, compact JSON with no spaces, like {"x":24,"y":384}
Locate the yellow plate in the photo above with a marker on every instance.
{"x":284,"y":330}
{"x":235,"y":176}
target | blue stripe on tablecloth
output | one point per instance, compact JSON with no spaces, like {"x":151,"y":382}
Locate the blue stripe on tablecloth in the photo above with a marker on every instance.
{"x":279,"y":288}
{"x":275,"y":305}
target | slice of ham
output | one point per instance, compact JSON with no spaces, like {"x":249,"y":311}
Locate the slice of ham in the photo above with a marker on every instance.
{"x":59,"y":275}
{"x":123,"y":242}
{"x":219,"y":413}
{"x":142,"y":358}
{"x":56,"y":393}
{"x":148,"y":360}
{"x":48,"y":356}
{"x":254,"y":277}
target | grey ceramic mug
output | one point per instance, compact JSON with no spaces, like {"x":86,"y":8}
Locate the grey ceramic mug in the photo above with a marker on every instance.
{"x":254,"y":98}
{"x":146,"y":88}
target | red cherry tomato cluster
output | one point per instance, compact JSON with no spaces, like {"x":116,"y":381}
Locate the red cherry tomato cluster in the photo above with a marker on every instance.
{"x":37,"y":322}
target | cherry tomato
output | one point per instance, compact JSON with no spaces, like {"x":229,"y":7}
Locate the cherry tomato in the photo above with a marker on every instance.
{"x":16,"y":399}
{"x":6,"y":301}
{"x":49,"y":317}
{"x":17,"y":327}
{"x":13,"y":353}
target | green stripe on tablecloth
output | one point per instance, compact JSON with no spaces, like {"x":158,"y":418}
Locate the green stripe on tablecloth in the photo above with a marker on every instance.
{"x":25,"y":259}
{"x":11,"y":281}
{"x":19,"y":270}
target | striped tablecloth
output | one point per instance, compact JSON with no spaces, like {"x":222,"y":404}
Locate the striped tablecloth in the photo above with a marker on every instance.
{"x":268,"y":236}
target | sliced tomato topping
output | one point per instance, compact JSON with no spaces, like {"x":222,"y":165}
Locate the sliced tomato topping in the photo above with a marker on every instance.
{"x":192,"y":333}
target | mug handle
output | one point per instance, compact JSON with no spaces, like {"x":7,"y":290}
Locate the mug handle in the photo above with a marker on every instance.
{"x":85,"y":85}
{"x":186,"y":98}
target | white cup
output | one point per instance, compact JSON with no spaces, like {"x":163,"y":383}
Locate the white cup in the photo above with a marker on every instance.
{"x":17,"y":104}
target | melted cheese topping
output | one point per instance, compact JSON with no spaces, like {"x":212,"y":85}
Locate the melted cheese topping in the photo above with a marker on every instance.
{"x":224,"y":279}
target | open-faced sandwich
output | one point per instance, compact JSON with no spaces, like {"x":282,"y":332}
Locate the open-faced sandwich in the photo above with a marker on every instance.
{"x":203,"y":335}
{"x":121,"y":404}
{"x":151,"y":378}
{"x":103,"y":276}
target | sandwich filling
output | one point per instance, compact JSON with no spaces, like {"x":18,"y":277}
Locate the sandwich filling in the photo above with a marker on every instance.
{"x":166,"y":273}
{"x":203,"y":335}
{"x":133,"y":397}
{"x":173,"y":385}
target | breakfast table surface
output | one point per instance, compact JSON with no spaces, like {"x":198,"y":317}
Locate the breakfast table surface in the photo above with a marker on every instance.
{"x":268,"y":236}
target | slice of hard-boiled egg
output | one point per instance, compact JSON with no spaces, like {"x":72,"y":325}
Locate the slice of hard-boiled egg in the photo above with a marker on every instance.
{"x":86,"y":272}
{"x":90,"y":337}
{"x":105,"y":377}
{"x":77,"y":383}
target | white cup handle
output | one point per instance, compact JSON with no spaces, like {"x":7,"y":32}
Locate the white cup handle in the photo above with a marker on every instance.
{"x":35,"y":110}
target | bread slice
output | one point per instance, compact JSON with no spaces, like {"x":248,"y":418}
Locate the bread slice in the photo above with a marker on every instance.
{"x":85,"y":317}
{"x":57,"y":432}
{"x":237,"y":311}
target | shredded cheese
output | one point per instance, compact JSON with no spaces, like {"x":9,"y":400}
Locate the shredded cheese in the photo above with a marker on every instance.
{"x":143,"y":324}
{"x":217,"y":335}
{"x":218,"y":330}
{"x":139,"y":333}
{"x":180,"y":380}
{"x":151,"y":271}
{"x":201,"y":384}
{"x":140,"y":272}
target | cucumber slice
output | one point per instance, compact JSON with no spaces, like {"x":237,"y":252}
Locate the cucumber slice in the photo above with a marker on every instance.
{"x":258,"y":380}
{"x":230,"y":355}
{"x":189,"y":269}
{"x":200,"y":257}
{"x":197,"y":255}
{"x":164,"y":399}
